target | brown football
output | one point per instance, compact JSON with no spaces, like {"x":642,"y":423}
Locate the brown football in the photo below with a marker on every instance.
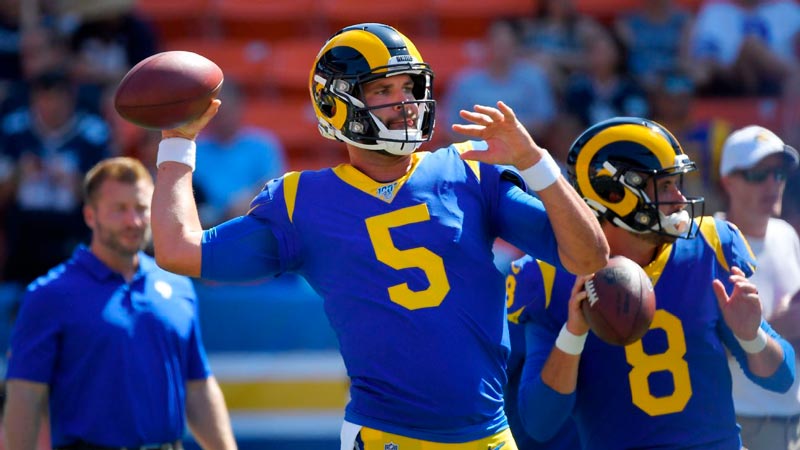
{"x":168,"y":89}
{"x":620,"y":303}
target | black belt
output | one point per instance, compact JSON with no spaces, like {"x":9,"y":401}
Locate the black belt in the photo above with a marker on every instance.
{"x":177,"y":445}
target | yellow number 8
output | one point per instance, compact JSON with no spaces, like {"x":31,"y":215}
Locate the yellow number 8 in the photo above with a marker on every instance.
{"x":670,"y":361}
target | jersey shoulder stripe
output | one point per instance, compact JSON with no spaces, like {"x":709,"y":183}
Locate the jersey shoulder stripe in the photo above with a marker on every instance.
{"x":728,"y":244}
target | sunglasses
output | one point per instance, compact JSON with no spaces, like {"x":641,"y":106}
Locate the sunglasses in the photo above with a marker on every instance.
{"x":760,"y":175}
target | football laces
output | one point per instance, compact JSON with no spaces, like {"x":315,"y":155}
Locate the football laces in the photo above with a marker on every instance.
{"x":591,"y":291}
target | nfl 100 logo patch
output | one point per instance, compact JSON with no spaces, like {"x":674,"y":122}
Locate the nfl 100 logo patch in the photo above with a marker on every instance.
{"x":386,"y":193}
{"x":390,"y":446}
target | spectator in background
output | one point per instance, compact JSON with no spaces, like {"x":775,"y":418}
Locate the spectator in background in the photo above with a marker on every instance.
{"x":790,"y":210}
{"x":42,"y":50}
{"x":656,"y":37}
{"x":10,"y":37}
{"x":754,"y":167}
{"x":601,"y":91}
{"x":234,"y":160}
{"x":109,"y":37}
{"x":671,"y":101}
{"x":504,"y":75}
{"x":14,"y":34}
{"x":109,"y":343}
{"x":47,"y":146}
{"x":557,"y":39}
{"x":746,"y":47}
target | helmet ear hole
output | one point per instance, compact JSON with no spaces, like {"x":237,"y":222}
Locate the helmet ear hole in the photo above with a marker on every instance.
{"x":609,"y":188}
{"x":327,"y":105}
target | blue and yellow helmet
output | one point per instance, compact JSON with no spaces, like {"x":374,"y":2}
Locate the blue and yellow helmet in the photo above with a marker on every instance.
{"x":356,"y":55}
{"x":610,"y":165}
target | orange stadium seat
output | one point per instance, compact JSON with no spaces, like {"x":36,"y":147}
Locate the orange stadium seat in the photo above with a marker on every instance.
{"x":741,"y":111}
{"x":293,"y":121}
{"x":471,"y":18}
{"x":269,"y":19}
{"x":690,"y":5}
{"x":410,"y":17}
{"x":178,"y":18}
{"x":245,"y":61}
{"x":290,"y":63}
{"x":606,"y":11}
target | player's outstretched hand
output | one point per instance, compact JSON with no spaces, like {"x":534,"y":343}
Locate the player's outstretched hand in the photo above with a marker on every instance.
{"x":509,"y":141}
{"x":193,"y":128}
{"x":742,"y":309}
{"x":576,"y":321}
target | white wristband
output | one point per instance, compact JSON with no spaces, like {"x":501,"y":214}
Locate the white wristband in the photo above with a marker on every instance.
{"x":542,"y":174}
{"x":755,"y":345}
{"x":178,"y":150}
{"x":570,"y":343}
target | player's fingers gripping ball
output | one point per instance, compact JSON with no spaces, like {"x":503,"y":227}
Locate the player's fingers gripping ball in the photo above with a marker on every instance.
{"x":168,"y":90}
{"x":620,"y":302}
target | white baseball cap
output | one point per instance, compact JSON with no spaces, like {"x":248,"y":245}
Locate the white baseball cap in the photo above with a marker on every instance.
{"x":745,"y":147}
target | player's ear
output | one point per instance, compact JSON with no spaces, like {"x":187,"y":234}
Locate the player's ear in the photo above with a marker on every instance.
{"x":89,"y":215}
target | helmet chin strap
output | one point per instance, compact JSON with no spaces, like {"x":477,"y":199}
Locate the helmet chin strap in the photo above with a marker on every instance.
{"x":675,"y":224}
{"x":397,"y":142}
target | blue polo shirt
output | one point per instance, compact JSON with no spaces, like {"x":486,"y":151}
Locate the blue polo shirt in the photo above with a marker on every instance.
{"x":116,"y":355}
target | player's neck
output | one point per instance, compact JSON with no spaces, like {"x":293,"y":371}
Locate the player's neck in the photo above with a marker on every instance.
{"x":625,"y":243}
{"x":378,"y":166}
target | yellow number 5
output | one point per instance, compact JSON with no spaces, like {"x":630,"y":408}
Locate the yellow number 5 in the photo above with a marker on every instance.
{"x":430,"y":263}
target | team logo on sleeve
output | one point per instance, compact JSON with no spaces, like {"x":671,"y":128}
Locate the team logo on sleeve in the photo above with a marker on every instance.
{"x":390,"y":446}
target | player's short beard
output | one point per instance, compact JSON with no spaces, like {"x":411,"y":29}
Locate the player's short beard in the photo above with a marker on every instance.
{"x":110,"y":240}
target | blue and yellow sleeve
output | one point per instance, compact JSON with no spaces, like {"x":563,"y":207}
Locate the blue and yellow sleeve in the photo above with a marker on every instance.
{"x":536,"y":304}
{"x":729,"y":245}
{"x":262,"y":243}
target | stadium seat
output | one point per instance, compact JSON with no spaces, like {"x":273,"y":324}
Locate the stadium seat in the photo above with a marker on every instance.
{"x":411,"y":17}
{"x":175,"y":19}
{"x":741,"y":111}
{"x":447,"y":57}
{"x":607,"y":10}
{"x":293,"y":121}
{"x":269,"y":19}
{"x":690,"y":5}
{"x":245,"y":61}
{"x":290,"y":63}
{"x":471,"y":18}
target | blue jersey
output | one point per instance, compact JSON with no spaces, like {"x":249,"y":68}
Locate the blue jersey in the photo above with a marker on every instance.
{"x":672,"y":389}
{"x":566,"y":438}
{"x":407,"y":276}
{"x":115,"y":355}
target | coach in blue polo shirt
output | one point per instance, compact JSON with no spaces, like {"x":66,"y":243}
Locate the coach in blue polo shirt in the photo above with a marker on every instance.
{"x":111,"y":341}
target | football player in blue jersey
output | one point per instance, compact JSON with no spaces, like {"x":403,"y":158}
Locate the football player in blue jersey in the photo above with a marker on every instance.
{"x":398,"y":243}
{"x":672,"y":388}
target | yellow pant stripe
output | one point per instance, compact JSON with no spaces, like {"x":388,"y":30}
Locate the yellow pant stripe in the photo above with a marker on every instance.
{"x":378,"y":440}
